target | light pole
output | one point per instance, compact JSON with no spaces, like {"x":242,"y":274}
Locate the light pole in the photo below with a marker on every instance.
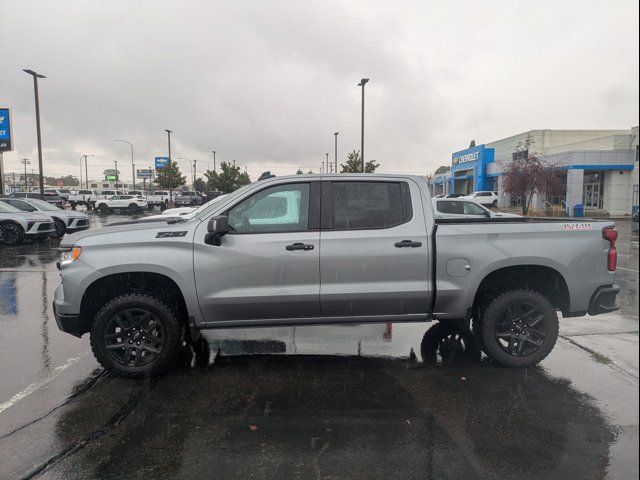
{"x":214,"y":160}
{"x":36,"y":76}
{"x":192,"y":166}
{"x":335,"y":154}
{"x":116,"y":162}
{"x":328,"y":164}
{"x":169,"y":145}
{"x":86,"y":170}
{"x":362,"y":83}
{"x":25,"y":162}
{"x":133,"y":168}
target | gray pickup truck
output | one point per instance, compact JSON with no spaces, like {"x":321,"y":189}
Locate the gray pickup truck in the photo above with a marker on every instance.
{"x":311,"y":249}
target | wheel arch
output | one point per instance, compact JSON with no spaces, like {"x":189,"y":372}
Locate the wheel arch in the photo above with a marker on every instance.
{"x":108,"y":287}
{"x":543,"y":279}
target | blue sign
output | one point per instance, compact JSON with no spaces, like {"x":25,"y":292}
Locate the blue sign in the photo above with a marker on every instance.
{"x":471,"y":164}
{"x":161,"y":162}
{"x":144,"y":173}
{"x":5,"y":130}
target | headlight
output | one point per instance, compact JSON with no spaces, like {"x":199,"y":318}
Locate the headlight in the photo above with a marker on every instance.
{"x":67,"y":257}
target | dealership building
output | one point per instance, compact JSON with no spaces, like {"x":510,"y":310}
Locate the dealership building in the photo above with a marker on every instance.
{"x":598,"y":167}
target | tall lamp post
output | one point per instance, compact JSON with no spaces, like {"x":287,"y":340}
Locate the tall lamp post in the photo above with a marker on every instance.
{"x":169,"y":147}
{"x":25,"y":162}
{"x":362,"y":83}
{"x":335,"y":154}
{"x":116,"y":162}
{"x":86,"y":170}
{"x":214,"y":160}
{"x":36,"y":76}
{"x":133,"y":168}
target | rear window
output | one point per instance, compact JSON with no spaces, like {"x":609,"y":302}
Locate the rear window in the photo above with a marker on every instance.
{"x":108,"y":192}
{"x":444,"y":206}
{"x":85,"y":192}
{"x":483,"y":194}
{"x":370,"y":205}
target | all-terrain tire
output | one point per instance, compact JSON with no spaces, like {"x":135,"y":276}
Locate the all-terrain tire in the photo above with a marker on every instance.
{"x":494,"y":311}
{"x":103,"y":209}
{"x":133,"y":208}
{"x":172,"y":330}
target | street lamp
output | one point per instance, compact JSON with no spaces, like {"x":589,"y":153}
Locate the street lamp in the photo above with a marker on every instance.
{"x":192,"y":166}
{"x":86,"y":169}
{"x":25,"y":162}
{"x":328,"y":164}
{"x":214,"y":160}
{"x":133,"y":171}
{"x":116,"y":162}
{"x":335,"y":157}
{"x":169,"y":145}
{"x":36,"y":76}
{"x":362,"y":83}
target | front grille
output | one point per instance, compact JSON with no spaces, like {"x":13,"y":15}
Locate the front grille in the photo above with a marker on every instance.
{"x":45,"y":226}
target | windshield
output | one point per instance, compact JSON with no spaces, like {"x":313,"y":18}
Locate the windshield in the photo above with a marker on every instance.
{"x":208,"y":207}
{"x":6,"y":208}
{"x":42,"y":205}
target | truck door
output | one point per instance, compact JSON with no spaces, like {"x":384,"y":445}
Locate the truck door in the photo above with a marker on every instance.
{"x":374,"y":249}
{"x":267,"y":266}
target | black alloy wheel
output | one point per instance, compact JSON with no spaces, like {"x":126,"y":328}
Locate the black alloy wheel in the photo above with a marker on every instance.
{"x":11,"y":234}
{"x":518,"y":328}
{"x":103,"y":209}
{"x":134,"y":337}
{"x":521,"y":331}
{"x":60,"y":228}
{"x":133,"y":208}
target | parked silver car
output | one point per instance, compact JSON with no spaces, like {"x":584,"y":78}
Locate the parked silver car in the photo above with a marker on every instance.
{"x":65,"y":221}
{"x":16,"y":225}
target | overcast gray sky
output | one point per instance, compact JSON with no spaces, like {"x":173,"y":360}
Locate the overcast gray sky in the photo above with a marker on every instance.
{"x":266,"y":83}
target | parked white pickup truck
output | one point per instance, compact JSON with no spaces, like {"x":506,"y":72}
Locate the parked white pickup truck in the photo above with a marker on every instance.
{"x":83,"y":197}
{"x":159,"y":198}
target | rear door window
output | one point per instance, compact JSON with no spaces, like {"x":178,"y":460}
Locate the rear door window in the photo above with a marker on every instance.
{"x":448,"y":207}
{"x":369,"y":205}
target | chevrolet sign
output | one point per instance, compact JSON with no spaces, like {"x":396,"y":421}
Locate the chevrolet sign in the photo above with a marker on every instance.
{"x":466,"y":158}
{"x":5,"y":130}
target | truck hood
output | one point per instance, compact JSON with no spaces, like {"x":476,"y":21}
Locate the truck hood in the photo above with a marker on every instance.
{"x":74,"y":238}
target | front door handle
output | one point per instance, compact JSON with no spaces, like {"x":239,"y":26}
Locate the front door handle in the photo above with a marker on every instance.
{"x":299,"y":246}
{"x":408,"y":243}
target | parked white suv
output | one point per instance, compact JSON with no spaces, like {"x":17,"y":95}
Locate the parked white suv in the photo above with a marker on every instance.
{"x":130,"y":203}
{"x":486,"y":198}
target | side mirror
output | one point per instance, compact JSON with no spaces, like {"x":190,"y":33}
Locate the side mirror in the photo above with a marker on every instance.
{"x":217,"y":227}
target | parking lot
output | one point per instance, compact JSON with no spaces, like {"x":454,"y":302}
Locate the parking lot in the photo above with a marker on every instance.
{"x":363,"y":401}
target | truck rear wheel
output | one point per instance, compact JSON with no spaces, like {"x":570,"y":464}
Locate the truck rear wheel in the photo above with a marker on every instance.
{"x":135,"y":335}
{"x":518,"y":328}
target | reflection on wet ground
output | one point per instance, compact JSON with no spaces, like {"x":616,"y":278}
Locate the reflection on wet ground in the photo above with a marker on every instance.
{"x":356,"y":401}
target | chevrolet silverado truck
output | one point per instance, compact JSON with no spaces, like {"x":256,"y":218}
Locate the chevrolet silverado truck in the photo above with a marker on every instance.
{"x":330,"y":249}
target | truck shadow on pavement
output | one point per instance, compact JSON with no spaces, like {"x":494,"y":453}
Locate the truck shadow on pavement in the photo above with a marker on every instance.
{"x":284,"y":416}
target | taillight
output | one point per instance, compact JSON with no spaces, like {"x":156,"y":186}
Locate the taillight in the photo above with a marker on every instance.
{"x":610,"y":234}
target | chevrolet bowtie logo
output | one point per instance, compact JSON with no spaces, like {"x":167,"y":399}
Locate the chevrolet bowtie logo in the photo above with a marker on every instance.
{"x":1,"y":119}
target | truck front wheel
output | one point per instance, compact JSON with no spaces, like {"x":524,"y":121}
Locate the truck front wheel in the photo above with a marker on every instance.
{"x":518,"y":328}
{"x":135,"y":335}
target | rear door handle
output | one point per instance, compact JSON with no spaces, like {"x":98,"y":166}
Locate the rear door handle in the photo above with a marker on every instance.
{"x":299,"y":246}
{"x":408,"y":243}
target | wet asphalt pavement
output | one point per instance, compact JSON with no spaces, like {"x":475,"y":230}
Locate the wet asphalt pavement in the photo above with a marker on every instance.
{"x":361,"y":401}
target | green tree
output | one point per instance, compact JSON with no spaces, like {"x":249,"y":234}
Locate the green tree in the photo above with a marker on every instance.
{"x":70,"y":181}
{"x":442,"y":169}
{"x":354,"y":164}
{"x":170,"y":176}
{"x":299,"y":172}
{"x":228,"y":179}
{"x":201,"y":186}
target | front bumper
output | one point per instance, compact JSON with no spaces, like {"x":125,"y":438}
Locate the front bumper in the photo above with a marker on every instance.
{"x":604,"y":300}
{"x":67,"y":322}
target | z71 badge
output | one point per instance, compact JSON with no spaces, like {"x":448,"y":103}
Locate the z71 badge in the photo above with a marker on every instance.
{"x":170,"y":234}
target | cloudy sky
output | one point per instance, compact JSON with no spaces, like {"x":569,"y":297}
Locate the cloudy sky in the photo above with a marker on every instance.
{"x":266,"y":83}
